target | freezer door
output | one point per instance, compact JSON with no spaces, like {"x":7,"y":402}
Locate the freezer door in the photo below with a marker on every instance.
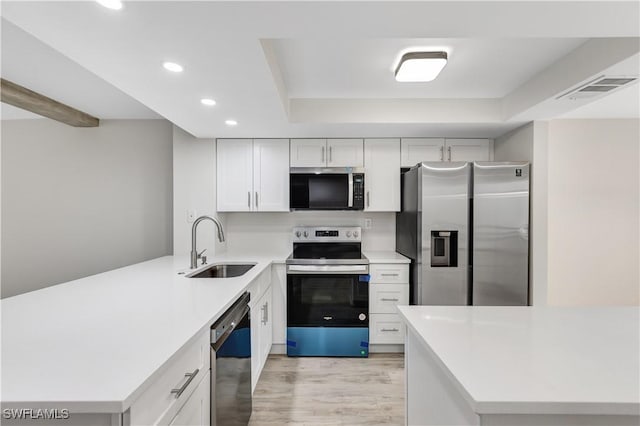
{"x":500,"y":234}
{"x":445,"y":198}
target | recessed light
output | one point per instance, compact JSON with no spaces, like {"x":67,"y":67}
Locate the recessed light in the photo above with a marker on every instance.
{"x":231,"y":123}
{"x":420,"y":66}
{"x":207,"y":102}
{"x":111,"y":4}
{"x":172,"y":66}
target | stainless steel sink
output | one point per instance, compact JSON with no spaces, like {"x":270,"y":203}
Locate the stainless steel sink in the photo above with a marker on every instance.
{"x":226,"y":270}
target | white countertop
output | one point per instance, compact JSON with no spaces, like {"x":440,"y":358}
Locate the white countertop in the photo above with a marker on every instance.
{"x":385,"y":257}
{"x":536,"y":360}
{"x":93,"y":344}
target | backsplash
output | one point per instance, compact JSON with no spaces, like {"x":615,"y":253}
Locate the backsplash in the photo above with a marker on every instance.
{"x":258,"y":233}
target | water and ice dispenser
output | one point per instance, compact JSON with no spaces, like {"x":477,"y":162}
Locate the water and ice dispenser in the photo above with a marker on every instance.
{"x":444,"y":248}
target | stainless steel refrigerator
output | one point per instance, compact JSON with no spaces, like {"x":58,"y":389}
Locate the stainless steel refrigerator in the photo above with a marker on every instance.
{"x":465,"y":226}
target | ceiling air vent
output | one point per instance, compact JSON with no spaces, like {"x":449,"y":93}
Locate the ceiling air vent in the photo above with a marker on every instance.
{"x":597,"y":87}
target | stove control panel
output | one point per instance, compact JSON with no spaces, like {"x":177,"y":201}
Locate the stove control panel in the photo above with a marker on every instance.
{"x":327,"y":234}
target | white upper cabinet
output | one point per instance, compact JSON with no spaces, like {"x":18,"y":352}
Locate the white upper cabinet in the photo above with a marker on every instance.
{"x":345,"y":153}
{"x":417,"y":150}
{"x":308,"y":152}
{"x":468,"y":149}
{"x":382,"y":175}
{"x":234,"y":172}
{"x":252,"y":175}
{"x":327,"y":153}
{"x":271,"y":175}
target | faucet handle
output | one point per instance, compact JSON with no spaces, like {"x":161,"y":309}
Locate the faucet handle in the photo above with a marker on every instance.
{"x":200,"y":254}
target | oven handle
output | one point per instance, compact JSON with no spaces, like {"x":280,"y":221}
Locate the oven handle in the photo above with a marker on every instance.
{"x":328,"y":269}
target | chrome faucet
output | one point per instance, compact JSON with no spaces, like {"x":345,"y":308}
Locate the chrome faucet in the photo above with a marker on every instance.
{"x":194,"y":252}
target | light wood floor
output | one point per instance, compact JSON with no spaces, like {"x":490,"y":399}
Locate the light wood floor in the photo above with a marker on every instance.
{"x":330,"y":391}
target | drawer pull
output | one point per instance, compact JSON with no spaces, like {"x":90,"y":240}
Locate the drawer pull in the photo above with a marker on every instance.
{"x":393,"y":330}
{"x":390,"y":275}
{"x":384,"y":299}
{"x":190,"y":376}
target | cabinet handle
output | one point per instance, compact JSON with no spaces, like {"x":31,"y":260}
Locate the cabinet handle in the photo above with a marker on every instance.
{"x":368,"y":199}
{"x":393,"y":330}
{"x":330,"y":154}
{"x":322,"y":155}
{"x":190,"y":377}
{"x":249,"y":199}
{"x":449,"y":152}
{"x":389,"y":300}
{"x":390,"y":275}
{"x":442,"y":153}
{"x":256,"y":200}
{"x":265,"y":313}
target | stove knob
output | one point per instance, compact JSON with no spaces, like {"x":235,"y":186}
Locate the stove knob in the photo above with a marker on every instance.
{"x":306,"y":234}
{"x":355,"y":234}
{"x":348,"y":234}
{"x":298,"y":234}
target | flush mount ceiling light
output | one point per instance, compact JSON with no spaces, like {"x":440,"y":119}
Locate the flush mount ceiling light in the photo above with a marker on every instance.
{"x":111,"y":4}
{"x":231,"y":123}
{"x":207,"y":101}
{"x":420,"y":66}
{"x":172,"y":66}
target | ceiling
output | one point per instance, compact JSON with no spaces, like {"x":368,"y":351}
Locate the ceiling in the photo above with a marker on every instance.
{"x":324,"y":68}
{"x":33,"y":64}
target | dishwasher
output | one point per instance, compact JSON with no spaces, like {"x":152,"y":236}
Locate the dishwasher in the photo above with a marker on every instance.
{"x":231,"y":366}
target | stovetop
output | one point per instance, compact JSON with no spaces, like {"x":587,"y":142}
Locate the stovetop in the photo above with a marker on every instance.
{"x":337,"y":245}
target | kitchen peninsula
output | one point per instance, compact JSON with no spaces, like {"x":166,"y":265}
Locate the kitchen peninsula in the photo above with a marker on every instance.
{"x":522,"y":365}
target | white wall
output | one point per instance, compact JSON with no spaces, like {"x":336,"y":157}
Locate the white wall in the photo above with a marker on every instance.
{"x":593,"y":207}
{"x":516,"y":145}
{"x":258,"y":233}
{"x":194,"y":183}
{"x":79,"y":201}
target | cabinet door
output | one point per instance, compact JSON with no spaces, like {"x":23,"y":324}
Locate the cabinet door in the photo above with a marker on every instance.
{"x":234,"y":169}
{"x":196,"y":410}
{"x":417,"y":150}
{"x":308,"y":152}
{"x":468,"y":149}
{"x":345,"y":153}
{"x":382,"y":175}
{"x":266,"y":330}
{"x":271,"y":175}
{"x":279,"y":296}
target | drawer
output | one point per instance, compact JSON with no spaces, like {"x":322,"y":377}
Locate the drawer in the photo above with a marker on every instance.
{"x":389,"y":273}
{"x":158,"y":405}
{"x":383,"y":298}
{"x":386,"y":329}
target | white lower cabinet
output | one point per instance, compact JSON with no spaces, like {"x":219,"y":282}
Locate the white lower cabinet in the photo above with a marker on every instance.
{"x":388,"y":288}
{"x":261,"y":305}
{"x":197,"y":409}
{"x":159,"y":404}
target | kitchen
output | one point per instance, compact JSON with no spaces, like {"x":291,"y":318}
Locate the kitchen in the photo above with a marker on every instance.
{"x":113,"y":207}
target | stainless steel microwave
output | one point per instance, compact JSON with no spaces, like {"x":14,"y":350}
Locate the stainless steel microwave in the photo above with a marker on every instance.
{"x":336,"y":188}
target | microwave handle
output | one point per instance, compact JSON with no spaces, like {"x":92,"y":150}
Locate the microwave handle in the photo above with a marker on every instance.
{"x":350,"y":197}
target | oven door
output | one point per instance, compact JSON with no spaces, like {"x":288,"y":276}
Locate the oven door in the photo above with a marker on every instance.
{"x":328,"y":310}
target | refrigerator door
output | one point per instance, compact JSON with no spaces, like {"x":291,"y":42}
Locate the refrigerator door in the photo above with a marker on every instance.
{"x":408,"y":242}
{"x":500,"y":234}
{"x":444,"y":202}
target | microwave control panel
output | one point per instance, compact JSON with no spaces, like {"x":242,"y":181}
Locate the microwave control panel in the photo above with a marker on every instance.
{"x":358,"y":191}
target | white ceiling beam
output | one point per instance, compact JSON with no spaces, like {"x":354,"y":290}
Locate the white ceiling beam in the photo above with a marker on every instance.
{"x":594,"y":58}
{"x":394,"y":111}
